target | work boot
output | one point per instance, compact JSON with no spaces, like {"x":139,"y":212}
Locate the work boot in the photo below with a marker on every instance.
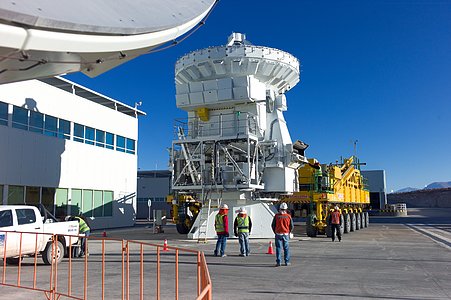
{"x":277,"y":265}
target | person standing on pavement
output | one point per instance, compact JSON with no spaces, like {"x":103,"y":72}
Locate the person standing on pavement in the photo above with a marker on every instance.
{"x":222,"y":230}
{"x":242,"y":227}
{"x":335,"y":223}
{"x":282,"y":225}
{"x":85,"y":230}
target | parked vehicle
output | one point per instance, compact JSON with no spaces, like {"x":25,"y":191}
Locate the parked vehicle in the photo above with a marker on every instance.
{"x":24,"y":231}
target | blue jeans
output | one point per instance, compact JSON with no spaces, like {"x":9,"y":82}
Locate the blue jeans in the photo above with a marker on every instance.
{"x":243,"y":238}
{"x":221,"y":245}
{"x":83,"y":249}
{"x":282,"y":242}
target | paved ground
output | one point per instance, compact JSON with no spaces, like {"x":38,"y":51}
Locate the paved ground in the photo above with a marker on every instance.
{"x":395,"y":258}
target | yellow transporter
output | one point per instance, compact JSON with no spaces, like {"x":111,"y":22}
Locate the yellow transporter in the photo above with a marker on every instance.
{"x":184,"y":211}
{"x":322,"y":187}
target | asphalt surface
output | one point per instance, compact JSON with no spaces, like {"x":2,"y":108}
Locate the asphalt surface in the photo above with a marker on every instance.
{"x":394,"y":258}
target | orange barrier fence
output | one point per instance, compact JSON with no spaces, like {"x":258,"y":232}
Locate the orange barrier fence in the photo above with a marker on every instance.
{"x":143,"y":269}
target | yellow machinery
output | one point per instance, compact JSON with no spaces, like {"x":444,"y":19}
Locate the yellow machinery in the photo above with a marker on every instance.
{"x":184,"y":211}
{"x":322,"y":187}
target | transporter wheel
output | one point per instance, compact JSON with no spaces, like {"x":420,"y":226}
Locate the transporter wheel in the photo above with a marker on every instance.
{"x":182,"y":228}
{"x":328,"y":229}
{"x":353,"y":222}
{"x":47,"y":253}
{"x":367,"y":219}
{"x":311,"y":230}
{"x":347,"y":223}
{"x":358,"y":221}
{"x":342,"y":225}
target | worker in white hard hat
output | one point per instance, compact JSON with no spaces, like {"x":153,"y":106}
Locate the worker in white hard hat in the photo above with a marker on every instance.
{"x":222,"y":230}
{"x":335,"y":222}
{"x":242,"y":227}
{"x":282,"y":225}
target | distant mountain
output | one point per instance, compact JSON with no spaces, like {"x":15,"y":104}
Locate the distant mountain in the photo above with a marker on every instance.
{"x":406,"y":190}
{"x":431,"y":186}
{"x":438,"y":185}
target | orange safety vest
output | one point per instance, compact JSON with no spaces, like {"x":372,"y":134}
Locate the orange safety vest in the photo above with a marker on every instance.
{"x":283,"y":223}
{"x":335,"y":215}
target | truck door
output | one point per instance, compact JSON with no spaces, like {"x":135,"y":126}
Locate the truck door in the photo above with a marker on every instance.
{"x":27,"y":221}
{"x":10,"y":238}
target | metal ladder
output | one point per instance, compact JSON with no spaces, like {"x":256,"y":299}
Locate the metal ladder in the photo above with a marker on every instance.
{"x":205,"y":220}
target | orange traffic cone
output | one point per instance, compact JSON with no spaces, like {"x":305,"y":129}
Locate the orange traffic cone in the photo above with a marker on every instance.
{"x":165,"y":245}
{"x":104,"y":234}
{"x":270,"y":250}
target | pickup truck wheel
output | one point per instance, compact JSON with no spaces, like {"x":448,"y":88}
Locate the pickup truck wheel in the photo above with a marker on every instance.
{"x":47,"y":253}
{"x":13,"y":260}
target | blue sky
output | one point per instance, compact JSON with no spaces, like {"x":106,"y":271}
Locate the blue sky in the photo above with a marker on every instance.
{"x":374,"y":71}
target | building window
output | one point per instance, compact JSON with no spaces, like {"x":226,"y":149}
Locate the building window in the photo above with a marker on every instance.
{"x":76,"y":208}
{"x":100,"y":138}
{"x":15,"y":194}
{"x":109,"y":140}
{"x":120,"y":143}
{"x":87,"y":203}
{"x":79,"y":133}
{"x":61,"y":203}
{"x":64,"y":129}
{"x":20,"y":118}
{"x":1,"y":194}
{"x":36,"y":121}
{"x":48,"y":198}
{"x":89,"y":135}
{"x":3,"y":113}
{"x":32,"y":195}
{"x":50,"y":126}
{"x":98,"y":204}
{"x":130,"y":146}
{"x":108,"y":203}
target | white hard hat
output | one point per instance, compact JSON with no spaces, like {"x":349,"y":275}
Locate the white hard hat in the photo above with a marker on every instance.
{"x":242,"y":210}
{"x":283,"y":206}
{"x":224,"y":206}
{"x":336,"y":207}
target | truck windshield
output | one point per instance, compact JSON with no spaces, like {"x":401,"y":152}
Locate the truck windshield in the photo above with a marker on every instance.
{"x":6,"y":218}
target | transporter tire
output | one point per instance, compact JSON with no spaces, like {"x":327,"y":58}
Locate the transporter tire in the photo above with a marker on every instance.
{"x":353,"y":222}
{"x":182,"y":228}
{"x":367,"y":219}
{"x":347,"y":223}
{"x":311,"y":230}
{"x":342,"y":225}
{"x":358,"y":221}
{"x":328,"y":229}
{"x":47,"y":253}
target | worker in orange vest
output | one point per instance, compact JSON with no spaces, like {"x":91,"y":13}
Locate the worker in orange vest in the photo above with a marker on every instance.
{"x":222,"y":230}
{"x":282,"y":225}
{"x":335,"y":223}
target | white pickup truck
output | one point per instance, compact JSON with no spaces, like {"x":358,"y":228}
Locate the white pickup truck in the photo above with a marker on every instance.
{"x":15,"y":219}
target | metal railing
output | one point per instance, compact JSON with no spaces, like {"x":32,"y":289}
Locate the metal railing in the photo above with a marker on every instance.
{"x":223,"y":125}
{"x":113,"y":269}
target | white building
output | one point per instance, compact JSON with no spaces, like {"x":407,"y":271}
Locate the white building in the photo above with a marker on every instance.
{"x":69,"y":148}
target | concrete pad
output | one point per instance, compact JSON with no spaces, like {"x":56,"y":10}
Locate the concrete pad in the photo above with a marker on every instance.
{"x":388,"y":260}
